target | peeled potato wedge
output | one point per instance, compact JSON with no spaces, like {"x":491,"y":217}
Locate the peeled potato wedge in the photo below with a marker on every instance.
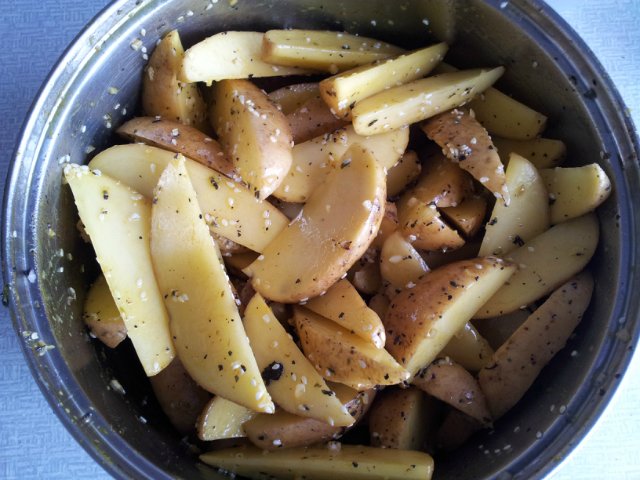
{"x":575,"y":191}
{"x":527,"y":214}
{"x":388,"y":225}
{"x":343,"y":357}
{"x":403,"y":173}
{"x":180,"y":398}
{"x":117,"y":219}
{"x":468,"y":348}
{"x":291,"y":379}
{"x":222,"y":418}
{"x":230,"y":209}
{"x":285,"y":430}
{"x":314,"y":159}
{"x":343,"y":304}
{"x":311,"y":119}
{"x":322,"y":463}
{"x":503,"y":116}
{"x":237,"y":55}
{"x":398,"y":419}
{"x":379,"y":303}
{"x":541,"y":152}
{"x":545,"y":262}
{"x":400,"y":264}
{"x":101,"y":315}
{"x":322,"y":50}
{"x":292,"y":97}
{"x":420,"y":99}
{"x":422,"y":320}
{"x":468,"y":216}
{"x":464,"y":141}
{"x":178,"y":138}
{"x":334,"y":229}
{"x":341,"y":92}
{"x":451,"y":383}
{"x":205,"y":324}
{"x":423,"y":224}
{"x":163,"y":93}
{"x":516,"y":364}
{"x":365,"y":276}
{"x":255,"y":135}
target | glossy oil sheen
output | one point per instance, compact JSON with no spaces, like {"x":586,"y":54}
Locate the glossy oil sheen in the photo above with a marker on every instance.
{"x":548,"y":67}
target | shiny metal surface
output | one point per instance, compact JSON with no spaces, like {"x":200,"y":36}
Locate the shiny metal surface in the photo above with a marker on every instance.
{"x":565,"y":83}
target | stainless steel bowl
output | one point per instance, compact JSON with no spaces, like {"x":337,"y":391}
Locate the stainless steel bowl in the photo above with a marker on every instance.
{"x":47,"y":268}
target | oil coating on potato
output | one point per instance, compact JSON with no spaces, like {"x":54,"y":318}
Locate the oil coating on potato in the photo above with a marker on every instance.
{"x":255,"y":135}
{"x":334,"y":229}
{"x":468,"y":348}
{"x":423,"y":319}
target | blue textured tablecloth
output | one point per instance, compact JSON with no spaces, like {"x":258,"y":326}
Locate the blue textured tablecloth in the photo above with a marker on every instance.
{"x":33,"y":443}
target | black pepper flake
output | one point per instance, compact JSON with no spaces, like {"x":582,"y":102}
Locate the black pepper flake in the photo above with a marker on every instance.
{"x":214,"y":183}
{"x":345,"y":163}
{"x":105,"y":195}
{"x":272,"y":372}
{"x":355,"y":464}
{"x":220,"y":367}
{"x":328,"y":393}
{"x":372,"y":122}
{"x":518,"y":240}
{"x":493,"y":221}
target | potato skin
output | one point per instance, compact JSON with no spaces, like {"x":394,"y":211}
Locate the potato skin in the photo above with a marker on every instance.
{"x":517,"y":363}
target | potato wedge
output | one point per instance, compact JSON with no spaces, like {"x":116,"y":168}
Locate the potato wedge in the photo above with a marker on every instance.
{"x":503,"y":116}
{"x":451,"y":383}
{"x":322,"y":50}
{"x":180,"y":398}
{"x":313,"y":118}
{"x":442,"y":183}
{"x":341,"y":92}
{"x":205,"y":324}
{"x":468,"y":216}
{"x":420,"y":99}
{"x":365,"y":276}
{"x":230,"y":209}
{"x":468,"y":348}
{"x":422,"y":320}
{"x":438,"y":258}
{"x":398,"y":419}
{"x":322,"y":463}
{"x":335,"y":228}
{"x":255,"y":135}
{"x":575,"y":191}
{"x":388,"y":226}
{"x":403,"y":173}
{"x":284,"y":430}
{"x":517,"y":363}
{"x":291,"y":379}
{"x":314,"y":159}
{"x":178,"y":138}
{"x":400,"y":264}
{"x":101,"y":314}
{"x":292,"y":97}
{"x":541,"y":152}
{"x":379,"y":303}
{"x":237,"y":55}
{"x":117,"y":220}
{"x":497,"y":330}
{"x":343,"y":357}
{"x":236,"y":262}
{"x":222,"y":418}
{"x":423,"y":224}
{"x":343,"y":304}
{"x":527,"y":214}
{"x":545,"y":262}
{"x":464,"y":141}
{"x":456,"y":429}
{"x":164,"y":94}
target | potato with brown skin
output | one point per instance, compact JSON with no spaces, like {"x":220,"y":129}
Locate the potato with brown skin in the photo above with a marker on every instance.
{"x":311,"y":119}
{"x":179,"y":396}
{"x":423,"y":224}
{"x":285,"y":430}
{"x":464,"y":141}
{"x":398,"y":419}
{"x":102,"y":316}
{"x":255,"y":135}
{"x":343,"y":357}
{"x":468,"y":216}
{"x":164,"y":94}
{"x":403,"y":173}
{"x":451,"y":383}
{"x":334,"y":229}
{"x":178,"y":138}
{"x":423,"y":319}
{"x":517,"y":363}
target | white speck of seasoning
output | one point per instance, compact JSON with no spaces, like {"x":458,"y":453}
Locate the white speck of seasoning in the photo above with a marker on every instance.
{"x":112,"y":90}
{"x":135,"y":217}
{"x":395,"y":259}
{"x":136,"y":44}
{"x":411,"y":285}
{"x":504,"y":4}
{"x":300,"y":389}
{"x":274,"y":344}
{"x":534,"y":64}
{"x":31,"y":276}
{"x":425,"y":21}
{"x":574,"y":353}
{"x":562,"y":409}
{"x":277,"y":442}
{"x":116,"y":386}
{"x":266,"y":318}
{"x":484,"y":179}
{"x":538,"y":434}
{"x":367,"y":204}
{"x":374,"y":23}
{"x":362,"y":364}
{"x":64,"y":159}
